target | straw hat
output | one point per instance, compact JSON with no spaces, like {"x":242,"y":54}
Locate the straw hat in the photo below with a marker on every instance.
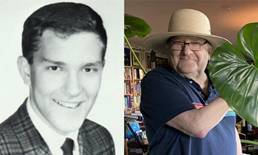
{"x":185,"y":22}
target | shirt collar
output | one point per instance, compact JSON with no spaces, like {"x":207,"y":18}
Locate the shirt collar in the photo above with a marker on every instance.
{"x":211,"y":89}
{"x":53,"y":139}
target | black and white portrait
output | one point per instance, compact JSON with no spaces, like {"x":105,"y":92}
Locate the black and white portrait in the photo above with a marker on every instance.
{"x":62,"y":77}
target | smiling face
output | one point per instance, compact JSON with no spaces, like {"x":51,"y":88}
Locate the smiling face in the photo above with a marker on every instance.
{"x":188,"y":62}
{"x":64,"y":78}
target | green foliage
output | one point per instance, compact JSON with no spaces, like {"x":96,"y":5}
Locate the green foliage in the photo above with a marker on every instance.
{"x":234,"y":72}
{"x":135,"y":26}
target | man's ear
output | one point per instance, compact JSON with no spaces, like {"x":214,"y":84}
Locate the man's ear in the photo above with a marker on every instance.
{"x":24,"y":69}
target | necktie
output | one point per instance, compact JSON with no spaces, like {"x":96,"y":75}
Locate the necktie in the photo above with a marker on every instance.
{"x":67,"y":147}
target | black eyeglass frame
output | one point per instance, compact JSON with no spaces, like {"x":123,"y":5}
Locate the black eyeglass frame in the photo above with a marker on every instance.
{"x":170,"y":43}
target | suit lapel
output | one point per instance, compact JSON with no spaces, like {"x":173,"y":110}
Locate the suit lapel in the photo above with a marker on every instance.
{"x":84,"y":145}
{"x":84,"y":139}
{"x":29,"y":137}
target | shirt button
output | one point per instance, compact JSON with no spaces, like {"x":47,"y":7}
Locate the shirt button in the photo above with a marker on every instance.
{"x":191,"y":82}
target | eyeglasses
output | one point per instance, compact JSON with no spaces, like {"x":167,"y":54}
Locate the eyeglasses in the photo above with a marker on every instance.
{"x":179,"y":45}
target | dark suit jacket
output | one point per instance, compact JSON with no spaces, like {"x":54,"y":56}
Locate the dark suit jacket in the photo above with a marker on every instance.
{"x":18,"y":136}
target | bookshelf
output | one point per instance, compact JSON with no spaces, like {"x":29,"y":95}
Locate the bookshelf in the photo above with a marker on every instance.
{"x":132,"y":82}
{"x":133,"y":74}
{"x":135,"y":135}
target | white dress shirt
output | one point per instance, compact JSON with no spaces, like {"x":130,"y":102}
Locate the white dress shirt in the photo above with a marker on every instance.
{"x":53,"y":139}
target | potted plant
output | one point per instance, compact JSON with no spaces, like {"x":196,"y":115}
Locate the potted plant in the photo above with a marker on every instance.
{"x":234,"y":72}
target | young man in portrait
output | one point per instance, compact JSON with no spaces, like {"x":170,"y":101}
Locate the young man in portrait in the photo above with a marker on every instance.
{"x":64,"y":46}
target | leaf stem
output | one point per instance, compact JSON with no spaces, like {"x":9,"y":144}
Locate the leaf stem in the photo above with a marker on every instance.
{"x":249,"y":142}
{"x":134,"y":55}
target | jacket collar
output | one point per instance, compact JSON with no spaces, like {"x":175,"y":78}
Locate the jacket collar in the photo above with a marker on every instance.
{"x":24,"y":129}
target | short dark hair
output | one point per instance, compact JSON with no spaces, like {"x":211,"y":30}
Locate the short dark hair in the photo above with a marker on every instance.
{"x":66,"y":18}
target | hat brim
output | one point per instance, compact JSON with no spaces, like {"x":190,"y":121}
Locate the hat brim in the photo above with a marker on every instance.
{"x":158,"y":42}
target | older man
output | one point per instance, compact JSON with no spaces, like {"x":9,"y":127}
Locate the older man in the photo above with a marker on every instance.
{"x":183,"y":112}
{"x":64,"y":46}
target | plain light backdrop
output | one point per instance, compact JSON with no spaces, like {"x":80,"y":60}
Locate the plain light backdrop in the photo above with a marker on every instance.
{"x":108,"y":109}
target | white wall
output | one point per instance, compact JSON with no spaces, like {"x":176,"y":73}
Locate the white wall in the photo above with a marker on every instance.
{"x":108,"y":110}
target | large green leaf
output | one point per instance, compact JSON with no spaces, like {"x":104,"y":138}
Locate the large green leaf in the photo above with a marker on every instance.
{"x":233,"y":70}
{"x":135,"y":26}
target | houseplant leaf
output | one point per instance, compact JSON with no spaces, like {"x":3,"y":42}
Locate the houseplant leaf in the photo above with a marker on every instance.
{"x":233,"y":71}
{"x":135,"y":26}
